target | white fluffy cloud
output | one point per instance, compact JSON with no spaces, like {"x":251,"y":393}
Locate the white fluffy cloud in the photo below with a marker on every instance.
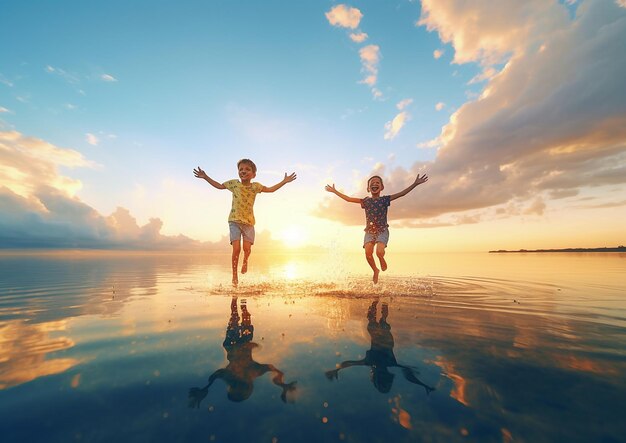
{"x":370,"y":57}
{"x":358,"y":37}
{"x":392,"y":128}
{"x":108,"y":78}
{"x":38,"y":207}
{"x":91,"y":139}
{"x":488,"y":31}
{"x":344,"y":16}
{"x":550,"y":123}
{"x":404,"y":103}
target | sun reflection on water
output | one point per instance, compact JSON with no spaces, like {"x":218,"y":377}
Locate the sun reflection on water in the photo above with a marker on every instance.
{"x":290,"y":271}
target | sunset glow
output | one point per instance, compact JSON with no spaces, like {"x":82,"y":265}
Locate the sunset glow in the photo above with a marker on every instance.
{"x":517,"y":116}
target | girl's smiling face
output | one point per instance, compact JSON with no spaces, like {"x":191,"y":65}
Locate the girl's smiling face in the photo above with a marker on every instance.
{"x":375,"y":185}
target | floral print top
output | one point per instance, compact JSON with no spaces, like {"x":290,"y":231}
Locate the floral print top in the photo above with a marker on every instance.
{"x":376,"y":213}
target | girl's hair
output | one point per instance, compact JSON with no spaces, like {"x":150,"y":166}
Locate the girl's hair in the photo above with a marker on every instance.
{"x":373,"y":177}
{"x":248,"y":161}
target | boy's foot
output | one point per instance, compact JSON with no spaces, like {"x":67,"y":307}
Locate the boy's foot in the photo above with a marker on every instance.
{"x":235,"y":281}
{"x":383,"y":264}
{"x":244,"y":267}
{"x":375,"y":278}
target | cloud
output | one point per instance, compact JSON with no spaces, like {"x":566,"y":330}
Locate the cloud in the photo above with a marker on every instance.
{"x":91,"y":139}
{"x":6,"y":81}
{"x":486,"y":74}
{"x":370,"y":57}
{"x":344,"y":16}
{"x":439,"y":106}
{"x":68,"y":77}
{"x":358,"y":37}
{"x":39,"y":209}
{"x":393,"y":127}
{"x":377,"y":94}
{"x":348,"y":17}
{"x":437,"y":53}
{"x":551,"y":122}
{"x":108,"y":78}
{"x":487,"y":31}
{"x":404,"y":103}
{"x":3,"y":110}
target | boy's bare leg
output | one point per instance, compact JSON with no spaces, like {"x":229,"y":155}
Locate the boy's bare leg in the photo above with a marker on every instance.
{"x":247,"y":249}
{"x":369,"y":256}
{"x":380,"y":253}
{"x":235,"y":260}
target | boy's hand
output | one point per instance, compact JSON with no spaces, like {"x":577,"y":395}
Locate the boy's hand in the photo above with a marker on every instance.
{"x":289,"y":178}
{"x":199,"y":173}
{"x":330,"y":188}
{"x":419,"y":180}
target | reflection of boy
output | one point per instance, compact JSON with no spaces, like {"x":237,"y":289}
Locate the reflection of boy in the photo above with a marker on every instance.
{"x":380,"y":356}
{"x":242,"y":370}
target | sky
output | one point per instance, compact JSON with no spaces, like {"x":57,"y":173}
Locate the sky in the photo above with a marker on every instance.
{"x":516,"y":111}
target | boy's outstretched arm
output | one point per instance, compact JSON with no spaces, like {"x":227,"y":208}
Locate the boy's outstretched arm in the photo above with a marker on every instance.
{"x":283,"y":182}
{"x":418,"y":181}
{"x":341,"y":195}
{"x":199,"y":173}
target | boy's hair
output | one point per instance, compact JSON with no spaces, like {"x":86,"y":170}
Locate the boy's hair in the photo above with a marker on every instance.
{"x":372,"y":178}
{"x":248,"y":161}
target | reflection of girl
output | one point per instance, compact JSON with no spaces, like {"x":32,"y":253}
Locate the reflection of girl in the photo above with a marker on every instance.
{"x":380,"y":356}
{"x":242,"y":370}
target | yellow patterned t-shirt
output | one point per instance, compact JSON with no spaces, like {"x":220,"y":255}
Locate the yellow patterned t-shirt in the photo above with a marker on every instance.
{"x":243,"y":201}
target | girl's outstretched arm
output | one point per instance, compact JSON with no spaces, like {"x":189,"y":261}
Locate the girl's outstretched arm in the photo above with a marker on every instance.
{"x":343,"y":196}
{"x":199,"y":173}
{"x":418,"y":181}
{"x":334,"y":373}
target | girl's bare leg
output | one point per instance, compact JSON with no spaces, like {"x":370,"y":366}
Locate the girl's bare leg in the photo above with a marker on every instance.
{"x":369,"y":256}
{"x":247,"y":249}
{"x":380,"y":253}
{"x":235,"y":260}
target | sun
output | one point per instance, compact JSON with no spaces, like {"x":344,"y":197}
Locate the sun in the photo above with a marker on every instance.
{"x":293,"y":237}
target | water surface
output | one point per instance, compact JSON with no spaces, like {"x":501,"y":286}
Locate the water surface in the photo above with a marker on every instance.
{"x":467,"y":347}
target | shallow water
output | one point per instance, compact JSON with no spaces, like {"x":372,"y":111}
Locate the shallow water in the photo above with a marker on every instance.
{"x":468,"y":347}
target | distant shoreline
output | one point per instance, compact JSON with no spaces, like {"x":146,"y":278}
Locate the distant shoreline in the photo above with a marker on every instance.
{"x":617,"y":249}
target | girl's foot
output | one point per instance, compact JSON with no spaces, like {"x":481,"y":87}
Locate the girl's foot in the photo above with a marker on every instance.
{"x":235,"y":281}
{"x":383,"y":264}
{"x":244,"y":267}
{"x":375,"y":278}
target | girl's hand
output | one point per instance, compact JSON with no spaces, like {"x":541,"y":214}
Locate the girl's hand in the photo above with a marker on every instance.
{"x":331,"y":188}
{"x":419,"y":180}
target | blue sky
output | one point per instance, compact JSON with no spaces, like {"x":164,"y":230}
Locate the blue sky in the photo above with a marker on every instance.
{"x":145,"y":91}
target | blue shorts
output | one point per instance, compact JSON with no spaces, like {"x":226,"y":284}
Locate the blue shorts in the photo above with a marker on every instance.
{"x":380,"y":237}
{"x":238,"y":230}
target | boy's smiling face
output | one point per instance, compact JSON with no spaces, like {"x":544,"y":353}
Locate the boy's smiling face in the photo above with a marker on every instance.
{"x":375,"y":185}
{"x":246,"y":172}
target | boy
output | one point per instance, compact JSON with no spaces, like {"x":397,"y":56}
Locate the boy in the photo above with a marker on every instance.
{"x":376,"y":232}
{"x":241,"y":218}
